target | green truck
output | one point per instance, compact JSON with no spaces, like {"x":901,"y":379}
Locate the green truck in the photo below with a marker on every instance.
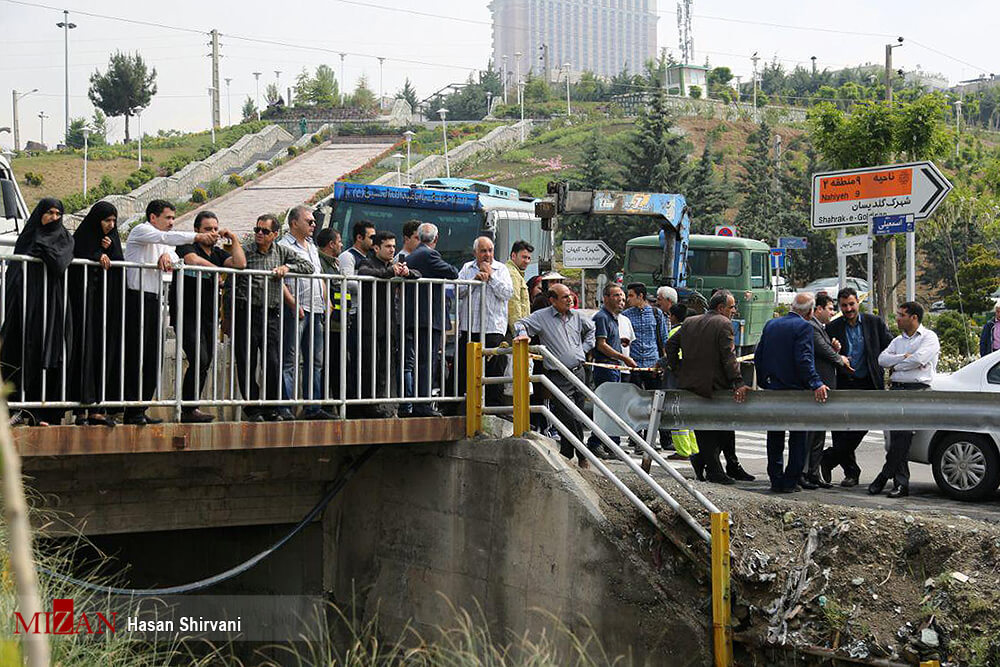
{"x":740,"y":265}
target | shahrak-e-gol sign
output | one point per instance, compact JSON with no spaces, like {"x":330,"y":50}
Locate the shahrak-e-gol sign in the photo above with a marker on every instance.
{"x":855,"y":196}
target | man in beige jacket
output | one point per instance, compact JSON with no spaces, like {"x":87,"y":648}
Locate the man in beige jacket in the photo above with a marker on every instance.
{"x":519,"y":305}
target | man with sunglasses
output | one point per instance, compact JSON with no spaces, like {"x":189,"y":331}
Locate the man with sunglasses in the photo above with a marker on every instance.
{"x":256,"y":320}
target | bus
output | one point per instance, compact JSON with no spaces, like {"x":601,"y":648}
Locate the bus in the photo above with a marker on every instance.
{"x":462,"y":209}
{"x":740,"y":265}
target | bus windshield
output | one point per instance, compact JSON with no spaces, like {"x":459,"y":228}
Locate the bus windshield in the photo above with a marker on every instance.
{"x":458,"y":230}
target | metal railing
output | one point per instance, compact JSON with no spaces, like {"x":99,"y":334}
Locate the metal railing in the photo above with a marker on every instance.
{"x":262,"y":342}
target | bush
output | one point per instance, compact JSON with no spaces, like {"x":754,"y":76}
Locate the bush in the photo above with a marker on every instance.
{"x":33,"y":179}
{"x":235,"y":180}
{"x":174,"y":164}
{"x":138,"y":177}
{"x":956,"y":332}
{"x":292,"y":151}
{"x":199,"y":196}
{"x":316,"y":139}
{"x":217,"y":187}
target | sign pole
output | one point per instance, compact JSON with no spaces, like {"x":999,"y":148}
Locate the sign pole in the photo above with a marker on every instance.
{"x":842,"y":261}
{"x":911,"y":268}
{"x":583,"y":288}
{"x":871,"y":278}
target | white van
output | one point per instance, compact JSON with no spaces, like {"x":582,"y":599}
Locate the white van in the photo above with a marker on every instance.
{"x":13,"y":210}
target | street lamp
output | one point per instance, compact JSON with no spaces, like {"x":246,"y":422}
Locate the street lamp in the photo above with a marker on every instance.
{"x":520,"y":94}
{"x":569,"y":111}
{"x":256,"y":78}
{"x":489,"y":104}
{"x":958,"y":124}
{"x":342,"y":82}
{"x":381,"y":88}
{"x":41,"y":118}
{"x":229,"y":100}
{"x":755,"y":58}
{"x":66,"y":26}
{"x":86,"y":134}
{"x":138,"y":122}
{"x":398,"y":157}
{"x":408,"y":135}
{"x":504,"y":79}
{"x":443,"y":114}
{"x":17,"y":133}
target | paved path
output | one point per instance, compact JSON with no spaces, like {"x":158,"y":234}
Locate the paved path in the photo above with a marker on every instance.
{"x":286,"y":186}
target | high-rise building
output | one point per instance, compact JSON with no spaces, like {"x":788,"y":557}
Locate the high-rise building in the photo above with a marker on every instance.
{"x":602,"y":36}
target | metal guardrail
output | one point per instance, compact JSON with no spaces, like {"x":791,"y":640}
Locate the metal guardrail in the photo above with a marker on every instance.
{"x":844,"y":410}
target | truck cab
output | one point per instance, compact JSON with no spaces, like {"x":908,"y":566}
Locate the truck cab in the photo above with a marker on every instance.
{"x":714,"y":262}
{"x":13,"y":209}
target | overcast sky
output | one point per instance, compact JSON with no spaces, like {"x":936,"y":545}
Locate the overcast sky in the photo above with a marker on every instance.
{"x":957,"y":41}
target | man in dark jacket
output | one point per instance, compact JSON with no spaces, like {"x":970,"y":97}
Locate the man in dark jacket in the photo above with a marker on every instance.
{"x":702,"y":356}
{"x":784,"y":361}
{"x":828,"y":361}
{"x":379,"y":324}
{"x":862,"y":337}
{"x":989,"y":339}
{"x":424,"y":320}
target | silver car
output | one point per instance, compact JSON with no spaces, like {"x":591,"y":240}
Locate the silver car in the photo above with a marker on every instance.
{"x":966,"y":466}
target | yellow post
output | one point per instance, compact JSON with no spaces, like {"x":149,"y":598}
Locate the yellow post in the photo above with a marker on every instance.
{"x":721,"y":602}
{"x":930,"y":663}
{"x":473,"y":388}
{"x":522,"y":396}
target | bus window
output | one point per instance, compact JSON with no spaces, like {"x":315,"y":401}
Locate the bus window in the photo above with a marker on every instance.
{"x":758,"y":270}
{"x":645,"y":260}
{"x":705,"y":262}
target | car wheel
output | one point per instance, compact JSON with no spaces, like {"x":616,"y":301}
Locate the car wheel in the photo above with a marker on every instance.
{"x":966,"y":466}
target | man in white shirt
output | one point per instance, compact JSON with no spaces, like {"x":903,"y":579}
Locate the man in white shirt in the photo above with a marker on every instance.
{"x":151,"y":242}
{"x":497,"y":291}
{"x":304,"y":319}
{"x":912,"y":360}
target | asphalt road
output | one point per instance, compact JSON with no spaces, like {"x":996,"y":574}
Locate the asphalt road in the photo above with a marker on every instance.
{"x":924,"y":499}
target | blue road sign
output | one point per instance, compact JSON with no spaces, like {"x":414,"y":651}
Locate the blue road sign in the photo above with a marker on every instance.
{"x":793,"y":242}
{"x":892,"y":224}
{"x":777,"y":258}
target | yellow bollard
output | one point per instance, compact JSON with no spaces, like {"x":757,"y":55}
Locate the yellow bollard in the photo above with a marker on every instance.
{"x":522,"y":395}
{"x":722,"y":627}
{"x":473,"y":388}
{"x":930,"y":663}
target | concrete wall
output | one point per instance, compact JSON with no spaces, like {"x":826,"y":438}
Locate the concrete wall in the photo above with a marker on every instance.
{"x":509,"y":525}
{"x":178,"y":186}
{"x":496,"y":141}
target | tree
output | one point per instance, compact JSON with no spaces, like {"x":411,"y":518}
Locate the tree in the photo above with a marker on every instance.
{"x":707,"y":195}
{"x":408,"y":93}
{"x":978,"y":277}
{"x":97,"y":135}
{"x":719,"y":83}
{"x":249,"y":110}
{"x":363,"y":97}
{"x":537,"y":89}
{"x":694,"y":92}
{"x":324,"y":91}
{"x":819,"y":259}
{"x":127,"y":86}
{"x":272,"y":96}
{"x":757,"y":216}
{"x":654,"y":156}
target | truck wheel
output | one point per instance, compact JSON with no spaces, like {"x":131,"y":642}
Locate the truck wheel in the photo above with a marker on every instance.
{"x":966,"y":466}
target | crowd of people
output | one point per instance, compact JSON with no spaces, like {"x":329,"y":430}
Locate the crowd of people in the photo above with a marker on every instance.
{"x":89,"y":334}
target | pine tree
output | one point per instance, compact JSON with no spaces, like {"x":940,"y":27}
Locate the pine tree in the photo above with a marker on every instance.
{"x":654,"y":157}
{"x":819,"y":259}
{"x":592,"y":176}
{"x":756,"y":217}
{"x":707,"y":195}
{"x":126,"y":87}
{"x":408,"y":93}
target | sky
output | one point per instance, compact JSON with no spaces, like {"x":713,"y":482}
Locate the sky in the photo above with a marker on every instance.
{"x":433,"y":42}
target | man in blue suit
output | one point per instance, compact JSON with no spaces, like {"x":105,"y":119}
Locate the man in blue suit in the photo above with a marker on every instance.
{"x":785,"y":361}
{"x":424,"y":320}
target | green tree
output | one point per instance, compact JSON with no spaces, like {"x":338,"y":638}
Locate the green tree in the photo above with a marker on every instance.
{"x":719,"y":84}
{"x":654,"y":156}
{"x":126,"y":86}
{"x":956,"y":333}
{"x":249,"y":110}
{"x":272,"y":95}
{"x":363,"y":97}
{"x":537,"y":89}
{"x":97,"y":135}
{"x":694,"y":92}
{"x":622,"y":83}
{"x":592,"y":172}
{"x":819,"y":259}
{"x":707,"y":195}
{"x":978,"y":277}
{"x":324,"y":91}
{"x":408,"y":93}
{"x":589,"y":88}
{"x":757,"y":215}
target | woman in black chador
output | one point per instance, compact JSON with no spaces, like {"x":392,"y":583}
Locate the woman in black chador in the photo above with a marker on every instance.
{"x":35,"y":328}
{"x":96,"y":300}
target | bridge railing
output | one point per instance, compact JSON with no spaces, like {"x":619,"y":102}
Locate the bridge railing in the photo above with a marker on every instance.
{"x":130,"y":336}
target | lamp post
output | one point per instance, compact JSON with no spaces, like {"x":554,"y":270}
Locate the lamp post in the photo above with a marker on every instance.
{"x":755,"y":58}
{"x":520,"y":94}
{"x":41,"y":118}
{"x":342,"y":82}
{"x":958,"y":124}
{"x":504,"y":74}
{"x":17,"y":132}
{"x":86,"y":133}
{"x":256,"y":78}
{"x":229,"y":101}
{"x":443,"y":114}
{"x":408,"y":135}
{"x":489,"y":104}
{"x":569,"y":111}
{"x":66,"y":26}
{"x":381,"y":88}
{"x":398,"y":157}
{"x":138,"y":122}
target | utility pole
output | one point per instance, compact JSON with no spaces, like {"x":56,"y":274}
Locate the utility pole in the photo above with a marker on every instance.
{"x":66,"y":26}
{"x":958,"y":124}
{"x":256,"y":79}
{"x":755,"y":58}
{"x":17,"y":132}
{"x":887,"y":302}
{"x":544,"y":48}
{"x":216,"y":118}
{"x":41,"y":118}
{"x":739,"y":88}
{"x":569,"y":111}
{"x":229,"y":102}
{"x":213,"y":106}
{"x":343,"y":83}
{"x":813,"y":59}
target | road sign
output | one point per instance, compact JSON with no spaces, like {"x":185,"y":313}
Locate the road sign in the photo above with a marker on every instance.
{"x":892,"y":224}
{"x":725,"y":230}
{"x":793,"y":242}
{"x":852,"y":245}
{"x":777,"y":258}
{"x":586,"y":254}
{"x":855,"y":196}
